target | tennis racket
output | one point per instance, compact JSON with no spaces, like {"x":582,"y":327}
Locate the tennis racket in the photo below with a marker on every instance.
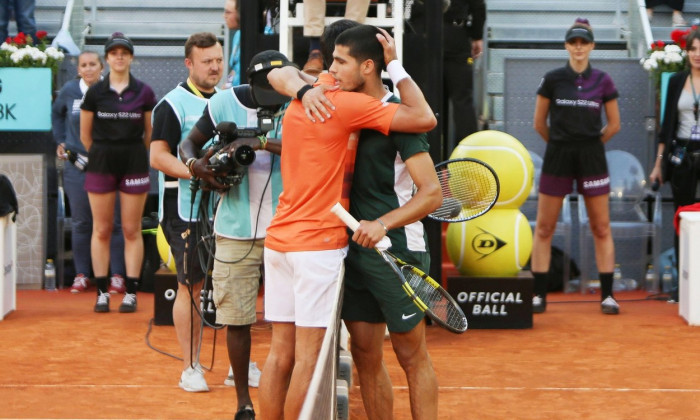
{"x":470,"y":188}
{"x":425,"y":292}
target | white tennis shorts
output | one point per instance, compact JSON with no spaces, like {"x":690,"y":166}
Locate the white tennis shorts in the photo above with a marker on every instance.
{"x":301,"y":287}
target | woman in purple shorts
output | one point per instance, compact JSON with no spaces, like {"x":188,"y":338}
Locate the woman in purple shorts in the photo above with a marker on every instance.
{"x":115,"y":128}
{"x":573,"y":97}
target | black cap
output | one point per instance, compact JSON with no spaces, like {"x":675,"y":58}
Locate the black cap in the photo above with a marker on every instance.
{"x":263,"y":94}
{"x":580,"y":29}
{"x":266,"y":60}
{"x":118,"y":39}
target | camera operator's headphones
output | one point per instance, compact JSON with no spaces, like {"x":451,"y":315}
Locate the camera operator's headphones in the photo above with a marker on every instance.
{"x":263,"y":94}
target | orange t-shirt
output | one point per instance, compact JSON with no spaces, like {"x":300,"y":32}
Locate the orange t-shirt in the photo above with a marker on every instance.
{"x":317,"y":162}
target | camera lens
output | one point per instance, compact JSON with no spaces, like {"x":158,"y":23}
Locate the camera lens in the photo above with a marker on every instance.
{"x":244,"y":155}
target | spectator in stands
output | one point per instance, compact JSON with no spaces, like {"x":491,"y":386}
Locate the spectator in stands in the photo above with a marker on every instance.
{"x":245,"y":209}
{"x":676,"y":5}
{"x":173,"y":118}
{"x":314,"y":22}
{"x":678,"y":142}
{"x":115,"y":128}
{"x":232,"y":18}
{"x":306,"y":244}
{"x":65,"y":123}
{"x":573,"y":97}
{"x":24,"y":17}
{"x":463,"y":29}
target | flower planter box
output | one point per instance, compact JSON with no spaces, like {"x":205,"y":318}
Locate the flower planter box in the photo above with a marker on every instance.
{"x":25,"y":99}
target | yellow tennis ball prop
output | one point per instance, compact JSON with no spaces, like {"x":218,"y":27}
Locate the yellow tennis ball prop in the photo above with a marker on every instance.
{"x":497,"y":244}
{"x":164,"y":250}
{"x":508,"y":157}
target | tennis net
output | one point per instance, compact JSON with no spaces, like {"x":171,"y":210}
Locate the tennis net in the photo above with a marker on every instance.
{"x":321,"y":399}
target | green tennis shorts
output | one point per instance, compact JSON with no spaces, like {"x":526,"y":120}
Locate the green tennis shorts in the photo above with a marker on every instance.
{"x":373,"y":291}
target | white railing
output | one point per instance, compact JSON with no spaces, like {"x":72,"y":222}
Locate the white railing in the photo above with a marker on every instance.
{"x":72,"y":28}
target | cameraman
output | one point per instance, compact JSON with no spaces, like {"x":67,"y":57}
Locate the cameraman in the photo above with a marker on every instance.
{"x":246,"y":208}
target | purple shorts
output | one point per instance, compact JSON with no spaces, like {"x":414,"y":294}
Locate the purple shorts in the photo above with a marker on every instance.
{"x":583,"y":162}
{"x":117,"y":167}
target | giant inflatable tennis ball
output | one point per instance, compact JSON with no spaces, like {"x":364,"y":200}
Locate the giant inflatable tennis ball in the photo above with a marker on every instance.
{"x":508,"y":157}
{"x":164,"y":250}
{"x":497,"y":244}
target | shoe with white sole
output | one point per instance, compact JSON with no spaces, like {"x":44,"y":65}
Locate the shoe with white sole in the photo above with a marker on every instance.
{"x":253,"y":376}
{"x":609,"y":306}
{"x":192,"y":380}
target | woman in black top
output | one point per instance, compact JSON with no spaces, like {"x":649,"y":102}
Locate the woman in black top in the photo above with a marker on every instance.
{"x":115,"y":128}
{"x":574,"y":98}
{"x":678,"y":144}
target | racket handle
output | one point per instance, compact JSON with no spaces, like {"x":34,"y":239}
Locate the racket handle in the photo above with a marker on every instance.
{"x":346,"y":217}
{"x":353,"y":224}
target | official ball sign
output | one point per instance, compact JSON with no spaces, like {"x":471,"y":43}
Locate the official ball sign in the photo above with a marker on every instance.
{"x":494,"y":302}
{"x":25,"y":99}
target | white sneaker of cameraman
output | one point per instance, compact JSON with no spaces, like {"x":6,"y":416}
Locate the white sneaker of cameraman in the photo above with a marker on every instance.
{"x":192,"y":379}
{"x":253,"y":376}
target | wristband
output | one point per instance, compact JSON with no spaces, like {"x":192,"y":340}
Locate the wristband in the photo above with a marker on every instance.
{"x":189,"y":164}
{"x":661,"y":156}
{"x":396,"y":72}
{"x":383,"y":225}
{"x":301,"y":92}
{"x":263,"y":142}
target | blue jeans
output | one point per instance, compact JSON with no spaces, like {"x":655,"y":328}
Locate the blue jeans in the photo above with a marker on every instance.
{"x":24,"y":16}
{"x":81,"y":224}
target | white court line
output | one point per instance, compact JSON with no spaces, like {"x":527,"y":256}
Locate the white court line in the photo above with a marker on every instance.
{"x":575,"y":389}
{"x":403,"y":388}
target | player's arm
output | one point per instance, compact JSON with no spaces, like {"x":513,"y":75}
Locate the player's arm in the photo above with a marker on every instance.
{"x":428,"y":197}
{"x":414,"y":114}
{"x":147,"y":129}
{"x":86,"y":128}
{"x":166,"y":132}
{"x":540,"y":118}
{"x":292,"y":82}
{"x":612,"y":115}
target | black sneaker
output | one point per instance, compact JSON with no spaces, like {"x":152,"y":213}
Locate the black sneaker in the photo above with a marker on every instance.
{"x":102,"y":304}
{"x":128,"y":303}
{"x":539,"y":304}
{"x":245,"y":413}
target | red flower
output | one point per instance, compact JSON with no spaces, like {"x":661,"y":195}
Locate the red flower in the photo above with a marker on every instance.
{"x":20,"y":39}
{"x":41,"y":34}
{"x":660,"y":44}
{"x":8,"y":40}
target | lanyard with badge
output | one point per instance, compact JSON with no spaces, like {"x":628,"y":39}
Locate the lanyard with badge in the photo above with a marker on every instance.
{"x":695,"y":130}
{"x":678,"y":154}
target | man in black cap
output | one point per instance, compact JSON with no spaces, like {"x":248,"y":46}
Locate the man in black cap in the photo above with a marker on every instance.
{"x":246,"y":206}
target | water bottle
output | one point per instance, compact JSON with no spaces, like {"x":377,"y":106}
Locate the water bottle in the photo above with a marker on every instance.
{"x":649,"y":278}
{"x":49,"y":275}
{"x":618,"y":284}
{"x":667,"y":279}
{"x":77,"y":160}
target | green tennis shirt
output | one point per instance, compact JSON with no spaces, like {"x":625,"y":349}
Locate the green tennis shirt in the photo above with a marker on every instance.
{"x":381,"y":181}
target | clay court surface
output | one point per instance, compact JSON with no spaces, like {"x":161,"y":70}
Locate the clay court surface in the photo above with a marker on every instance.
{"x":61,"y":360}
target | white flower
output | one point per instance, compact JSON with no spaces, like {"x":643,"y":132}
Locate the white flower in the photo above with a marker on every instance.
{"x":672,"y":48}
{"x":650,"y":64}
{"x":8,"y":47}
{"x":54,"y":53}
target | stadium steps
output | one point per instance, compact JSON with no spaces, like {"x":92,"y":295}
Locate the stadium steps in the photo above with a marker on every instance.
{"x":155,"y":25}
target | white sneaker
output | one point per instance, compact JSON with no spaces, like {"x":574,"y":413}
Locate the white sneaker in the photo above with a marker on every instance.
{"x":609,"y":306}
{"x":678,"y":20}
{"x":253,"y":376}
{"x":192,"y":380}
